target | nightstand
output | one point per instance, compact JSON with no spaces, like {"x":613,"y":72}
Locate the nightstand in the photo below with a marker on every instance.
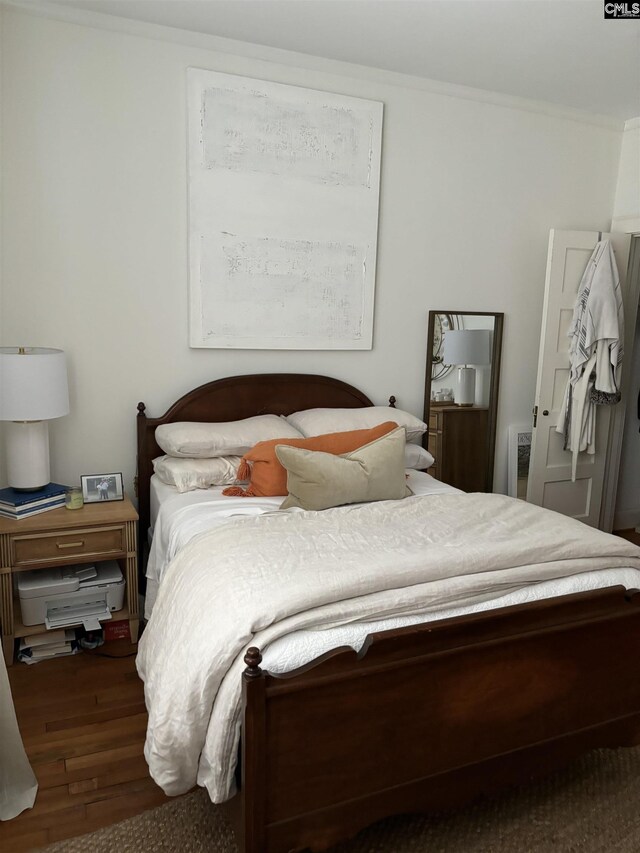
{"x":458,"y":443}
{"x":97,"y":532}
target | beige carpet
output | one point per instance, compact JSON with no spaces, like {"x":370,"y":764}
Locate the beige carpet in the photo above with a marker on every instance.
{"x":591,"y":807}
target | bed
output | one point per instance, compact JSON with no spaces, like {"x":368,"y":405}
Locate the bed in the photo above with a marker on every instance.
{"x":427,"y":715}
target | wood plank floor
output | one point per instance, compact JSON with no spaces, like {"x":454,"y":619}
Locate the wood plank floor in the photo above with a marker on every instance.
{"x":631,"y":535}
{"x":82,"y":720}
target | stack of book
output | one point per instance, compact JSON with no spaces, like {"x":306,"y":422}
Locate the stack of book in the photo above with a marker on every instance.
{"x":53,"y":644}
{"x":17,"y":504}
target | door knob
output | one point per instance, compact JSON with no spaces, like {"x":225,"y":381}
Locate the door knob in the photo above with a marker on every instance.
{"x":546,"y":412}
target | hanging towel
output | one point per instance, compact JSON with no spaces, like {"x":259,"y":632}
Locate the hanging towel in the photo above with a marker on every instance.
{"x":596,"y":349}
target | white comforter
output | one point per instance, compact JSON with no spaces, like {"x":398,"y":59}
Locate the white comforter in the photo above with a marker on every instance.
{"x":182,"y":517}
{"x":256,"y":579}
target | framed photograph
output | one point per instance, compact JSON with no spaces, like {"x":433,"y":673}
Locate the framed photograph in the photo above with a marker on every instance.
{"x":519,"y":456}
{"x":97,"y":488}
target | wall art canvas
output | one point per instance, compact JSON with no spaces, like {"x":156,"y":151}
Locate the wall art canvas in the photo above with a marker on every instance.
{"x":283,"y":214}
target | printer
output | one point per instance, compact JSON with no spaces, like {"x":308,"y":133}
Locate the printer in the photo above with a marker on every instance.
{"x":71,"y":595}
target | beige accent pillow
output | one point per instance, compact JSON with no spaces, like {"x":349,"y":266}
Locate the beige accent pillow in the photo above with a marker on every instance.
{"x":374,"y":472}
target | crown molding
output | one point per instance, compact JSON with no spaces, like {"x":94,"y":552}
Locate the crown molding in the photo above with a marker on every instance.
{"x":272,"y":55}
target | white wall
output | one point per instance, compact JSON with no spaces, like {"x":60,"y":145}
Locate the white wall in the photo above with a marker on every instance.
{"x":626,"y":213}
{"x":95,"y":210}
{"x":626,"y":218}
{"x":2,"y":460}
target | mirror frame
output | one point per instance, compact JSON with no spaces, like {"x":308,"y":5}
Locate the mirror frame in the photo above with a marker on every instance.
{"x":496,"y":351}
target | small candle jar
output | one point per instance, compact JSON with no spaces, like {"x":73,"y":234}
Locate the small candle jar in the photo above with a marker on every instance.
{"x":73,"y":498}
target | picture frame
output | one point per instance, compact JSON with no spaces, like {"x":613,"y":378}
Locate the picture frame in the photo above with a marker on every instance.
{"x":101,"y":488}
{"x":262,"y":276}
{"x":519,"y":458}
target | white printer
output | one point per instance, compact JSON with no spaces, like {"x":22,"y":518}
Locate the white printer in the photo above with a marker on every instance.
{"x":70,"y":595}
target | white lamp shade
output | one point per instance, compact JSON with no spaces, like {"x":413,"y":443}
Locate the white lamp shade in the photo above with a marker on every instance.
{"x":467,"y":346}
{"x":33,"y":384}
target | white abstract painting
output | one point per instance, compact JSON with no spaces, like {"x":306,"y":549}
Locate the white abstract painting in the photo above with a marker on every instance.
{"x":283,"y":214}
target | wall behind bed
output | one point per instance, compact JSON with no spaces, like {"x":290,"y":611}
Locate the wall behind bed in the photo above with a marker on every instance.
{"x":94,"y":215}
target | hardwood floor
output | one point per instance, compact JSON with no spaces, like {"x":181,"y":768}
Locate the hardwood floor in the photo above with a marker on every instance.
{"x":82,"y":720}
{"x":631,"y":535}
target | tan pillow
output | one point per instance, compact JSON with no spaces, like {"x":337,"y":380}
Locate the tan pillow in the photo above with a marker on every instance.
{"x":319,"y":480}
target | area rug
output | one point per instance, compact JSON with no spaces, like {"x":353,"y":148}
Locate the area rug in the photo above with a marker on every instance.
{"x":591,"y":807}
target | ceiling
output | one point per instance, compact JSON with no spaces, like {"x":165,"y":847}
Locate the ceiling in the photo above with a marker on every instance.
{"x":559,"y":51}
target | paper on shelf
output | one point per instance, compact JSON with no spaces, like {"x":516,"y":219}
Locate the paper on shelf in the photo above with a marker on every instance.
{"x":92,"y":611}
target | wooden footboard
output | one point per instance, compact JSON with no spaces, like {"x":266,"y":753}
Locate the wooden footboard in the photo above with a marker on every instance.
{"x":428,"y":717}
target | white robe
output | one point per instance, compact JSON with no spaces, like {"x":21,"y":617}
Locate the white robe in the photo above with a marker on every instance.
{"x":595,"y":350}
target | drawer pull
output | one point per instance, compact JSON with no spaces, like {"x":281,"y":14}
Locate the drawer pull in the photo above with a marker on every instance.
{"x":70,"y":544}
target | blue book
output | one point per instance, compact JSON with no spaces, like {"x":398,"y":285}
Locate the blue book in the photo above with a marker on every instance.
{"x":20,"y":515}
{"x":15,"y":498}
{"x":40,"y":506}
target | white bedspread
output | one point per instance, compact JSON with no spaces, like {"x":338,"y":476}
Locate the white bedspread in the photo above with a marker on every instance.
{"x":179,"y":521}
{"x":182,"y":516}
{"x":299,"y":648}
{"x":258,"y":578}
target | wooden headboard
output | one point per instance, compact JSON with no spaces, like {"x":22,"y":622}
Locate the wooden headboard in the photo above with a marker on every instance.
{"x":232,"y":399}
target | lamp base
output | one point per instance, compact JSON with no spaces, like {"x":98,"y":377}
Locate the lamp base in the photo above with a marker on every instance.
{"x":27,"y":445}
{"x":466,"y":392}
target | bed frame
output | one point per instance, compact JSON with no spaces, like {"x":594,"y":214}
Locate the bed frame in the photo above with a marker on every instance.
{"x":423,"y":718}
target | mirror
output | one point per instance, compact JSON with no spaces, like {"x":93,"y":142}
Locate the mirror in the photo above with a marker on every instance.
{"x":461,"y":396}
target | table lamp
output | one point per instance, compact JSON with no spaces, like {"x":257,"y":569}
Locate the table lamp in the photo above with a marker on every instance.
{"x":465,"y":347}
{"x":33,"y":390}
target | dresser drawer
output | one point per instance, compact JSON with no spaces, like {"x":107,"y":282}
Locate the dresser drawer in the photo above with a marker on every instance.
{"x":434,"y":444}
{"x":66,"y":547}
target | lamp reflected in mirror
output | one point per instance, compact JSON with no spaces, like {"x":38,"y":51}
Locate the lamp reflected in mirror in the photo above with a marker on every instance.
{"x":467,"y":348}
{"x":461,"y":396}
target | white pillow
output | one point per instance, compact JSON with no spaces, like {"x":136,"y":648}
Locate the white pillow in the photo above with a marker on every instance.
{"x":185,"y":439}
{"x":415,"y":456}
{"x":189,"y":474}
{"x":320,"y":421}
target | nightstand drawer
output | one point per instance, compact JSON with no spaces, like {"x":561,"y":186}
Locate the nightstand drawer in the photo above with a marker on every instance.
{"x":67,"y":547}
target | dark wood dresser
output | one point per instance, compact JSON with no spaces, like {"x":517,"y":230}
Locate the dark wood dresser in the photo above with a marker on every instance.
{"x":458,"y":442}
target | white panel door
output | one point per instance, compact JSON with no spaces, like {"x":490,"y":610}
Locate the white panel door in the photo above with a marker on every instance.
{"x":550,"y":467}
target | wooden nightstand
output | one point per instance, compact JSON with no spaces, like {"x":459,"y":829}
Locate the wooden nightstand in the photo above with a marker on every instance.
{"x":97,"y":532}
{"x":458,"y":442}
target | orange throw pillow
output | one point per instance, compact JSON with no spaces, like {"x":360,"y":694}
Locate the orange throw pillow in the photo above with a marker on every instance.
{"x":267,"y":476}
